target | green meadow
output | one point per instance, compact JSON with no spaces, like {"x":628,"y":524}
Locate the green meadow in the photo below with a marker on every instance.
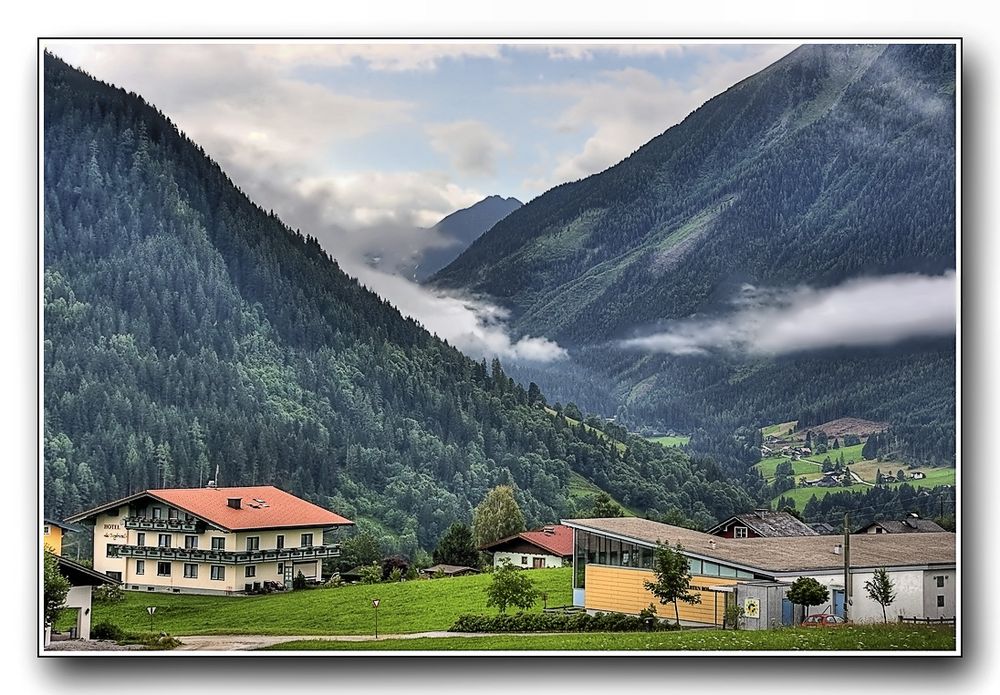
{"x":412,"y":606}
{"x":853,"y":638}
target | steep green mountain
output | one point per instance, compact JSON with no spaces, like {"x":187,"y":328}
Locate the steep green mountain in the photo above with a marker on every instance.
{"x":836,"y":162}
{"x":187,"y":329}
{"x":460,"y":229}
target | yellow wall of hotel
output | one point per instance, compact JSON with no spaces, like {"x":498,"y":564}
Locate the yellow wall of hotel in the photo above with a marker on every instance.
{"x":621,"y":590}
{"x":52,"y":538}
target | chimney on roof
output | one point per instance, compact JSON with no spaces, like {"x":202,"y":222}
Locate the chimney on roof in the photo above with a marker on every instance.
{"x":711,"y":544}
{"x":235,"y":502}
{"x":548,"y":531}
{"x":761,"y":511}
{"x":837,"y":548}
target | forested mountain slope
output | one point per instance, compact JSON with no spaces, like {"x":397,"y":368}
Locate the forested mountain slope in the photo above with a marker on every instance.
{"x":836,"y":162}
{"x":185,"y":328}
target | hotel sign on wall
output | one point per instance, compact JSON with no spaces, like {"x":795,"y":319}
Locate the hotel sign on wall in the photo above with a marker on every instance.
{"x":115,"y":531}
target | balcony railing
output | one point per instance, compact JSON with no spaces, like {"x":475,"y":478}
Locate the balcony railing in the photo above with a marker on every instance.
{"x":231,"y":557}
{"x":143,"y":523}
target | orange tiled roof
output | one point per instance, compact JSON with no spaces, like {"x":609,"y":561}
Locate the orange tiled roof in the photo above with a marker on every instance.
{"x":559,"y":542}
{"x":279,"y":509}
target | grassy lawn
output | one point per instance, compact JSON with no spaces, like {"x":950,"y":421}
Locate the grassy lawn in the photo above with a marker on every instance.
{"x":854,"y":638}
{"x":414,"y":606}
{"x":670,"y":441}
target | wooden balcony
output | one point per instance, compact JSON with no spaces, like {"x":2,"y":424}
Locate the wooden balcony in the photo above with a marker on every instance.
{"x":143,"y":523}
{"x":225,"y":557}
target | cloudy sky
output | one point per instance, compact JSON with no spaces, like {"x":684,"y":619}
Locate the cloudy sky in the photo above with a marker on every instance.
{"x":366,"y":145}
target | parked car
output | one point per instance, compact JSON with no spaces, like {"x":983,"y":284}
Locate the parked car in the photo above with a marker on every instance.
{"x":823,"y":620}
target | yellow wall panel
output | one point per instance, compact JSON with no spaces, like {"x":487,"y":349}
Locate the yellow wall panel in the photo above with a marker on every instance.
{"x":621,"y":590}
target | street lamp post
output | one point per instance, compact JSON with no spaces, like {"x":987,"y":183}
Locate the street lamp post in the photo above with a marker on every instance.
{"x":375,"y":603}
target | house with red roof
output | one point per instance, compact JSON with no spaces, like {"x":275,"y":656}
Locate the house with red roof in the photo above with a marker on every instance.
{"x":211,"y":540}
{"x":549,"y":546}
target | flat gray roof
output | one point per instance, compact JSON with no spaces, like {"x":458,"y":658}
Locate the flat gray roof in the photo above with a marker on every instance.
{"x":788,"y":554}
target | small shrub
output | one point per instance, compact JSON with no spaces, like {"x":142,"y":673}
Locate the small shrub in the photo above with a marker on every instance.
{"x":555,"y":622}
{"x":299,"y":582}
{"x":107,"y":631}
{"x":108,"y":593}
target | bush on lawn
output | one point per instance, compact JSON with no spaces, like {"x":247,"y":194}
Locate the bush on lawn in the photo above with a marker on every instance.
{"x":108,"y":631}
{"x":556,"y":622}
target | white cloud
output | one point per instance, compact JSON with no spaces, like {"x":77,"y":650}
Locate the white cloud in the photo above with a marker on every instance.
{"x":861,"y":312}
{"x":475,"y":327}
{"x":472,"y":146}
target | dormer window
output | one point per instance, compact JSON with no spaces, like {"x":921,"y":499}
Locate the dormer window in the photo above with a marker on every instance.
{"x":739,"y":532}
{"x":171,"y":513}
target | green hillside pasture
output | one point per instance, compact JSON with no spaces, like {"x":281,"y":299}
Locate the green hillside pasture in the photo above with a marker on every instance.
{"x":600,"y":433}
{"x":413,"y":606}
{"x":935,"y":477}
{"x":582,"y":490}
{"x":851,"y":453}
{"x":670,"y":441}
{"x":780,"y":429}
{"x":768,"y":466}
{"x":853,"y":638}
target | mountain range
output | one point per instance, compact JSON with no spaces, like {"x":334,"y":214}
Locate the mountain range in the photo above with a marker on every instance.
{"x":832,"y":171}
{"x":186,"y":329}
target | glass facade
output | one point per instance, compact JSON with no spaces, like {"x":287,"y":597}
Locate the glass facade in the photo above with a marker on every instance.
{"x":600,"y":550}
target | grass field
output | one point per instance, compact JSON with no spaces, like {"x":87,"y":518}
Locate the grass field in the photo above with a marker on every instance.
{"x":768,"y":466}
{"x":780,"y":429}
{"x":935,"y":477}
{"x":414,"y":606}
{"x":851,"y":453}
{"x":670,"y":441}
{"x":854,"y":638}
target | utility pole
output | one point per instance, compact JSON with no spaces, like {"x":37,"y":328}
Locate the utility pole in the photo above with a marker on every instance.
{"x":847,"y":565}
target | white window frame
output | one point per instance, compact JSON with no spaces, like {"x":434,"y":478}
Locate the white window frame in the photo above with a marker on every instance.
{"x":140,"y":567}
{"x":741,"y":532}
{"x":218,"y":570}
{"x":194,"y":567}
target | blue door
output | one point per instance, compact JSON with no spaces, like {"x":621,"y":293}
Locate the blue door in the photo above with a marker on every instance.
{"x":838,"y":602}
{"x":786,"y":612}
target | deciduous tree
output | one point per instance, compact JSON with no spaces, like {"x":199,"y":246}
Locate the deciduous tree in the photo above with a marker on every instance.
{"x":511,"y":586}
{"x":881,"y":589}
{"x":673,"y":578}
{"x":497,"y":516}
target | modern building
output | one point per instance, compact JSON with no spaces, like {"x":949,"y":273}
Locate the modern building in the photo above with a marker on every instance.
{"x":612,"y":559}
{"x":549,"y":546}
{"x":761,"y":523}
{"x":211,"y":540}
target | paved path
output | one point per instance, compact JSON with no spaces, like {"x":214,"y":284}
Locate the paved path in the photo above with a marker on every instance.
{"x":228,"y":643}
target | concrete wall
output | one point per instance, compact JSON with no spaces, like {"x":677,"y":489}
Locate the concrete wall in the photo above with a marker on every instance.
{"x":80,"y":597}
{"x":932,"y":591}
{"x":528,"y":559}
